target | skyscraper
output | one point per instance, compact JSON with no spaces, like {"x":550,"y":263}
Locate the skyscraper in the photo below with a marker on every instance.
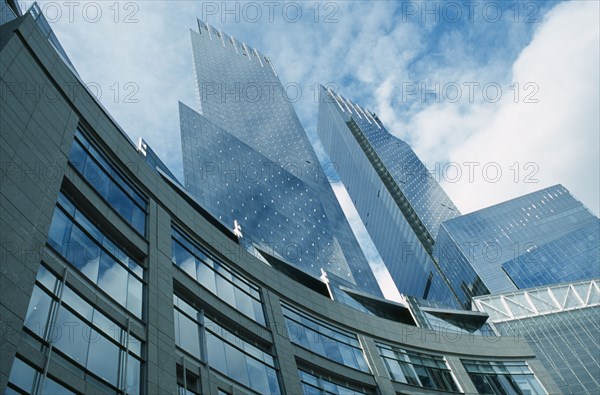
{"x":399,"y":202}
{"x":248,"y":159}
{"x":114,"y":280}
{"x":542,"y":238}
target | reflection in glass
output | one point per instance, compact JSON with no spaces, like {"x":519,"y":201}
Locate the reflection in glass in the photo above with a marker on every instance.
{"x":83,"y":334}
{"x":215,"y":276}
{"x":326,"y":340}
{"x":105,"y":179}
{"x":103,"y":358}
{"x":98,"y":258}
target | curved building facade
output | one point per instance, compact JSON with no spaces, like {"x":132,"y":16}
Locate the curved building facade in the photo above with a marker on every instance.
{"x":114,"y":280}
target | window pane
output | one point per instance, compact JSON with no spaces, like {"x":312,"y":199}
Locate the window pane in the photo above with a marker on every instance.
{"x":243,"y":303}
{"x":96,"y":177}
{"x":37,"y":313}
{"x":138,"y":220}
{"x":135,"y":345}
{"x":184,"y":259}
{"x":84,"y":254}
{"x":395,"y":371}
{"x":112,"y":278}
{"x":225,"y":290}
{"x":134,"y":296}
{"x":348,"y":357}
{"x":236,"y":364}
{"x":189,"y":336}
{"x":216,"y":353}
{"x":206,"y":277}
{"x":71,"y":299}
{"x":46,"y":278}
{"x":60,"y":230}
{"x":106,"y":326}
{"x":103,"y":358}
{"x":77,"y":156}
{"x":51,"y":387}
{"x":259,"y":314}
{"x":258,"y":377}
{"x":120,"y":201}
{"x":71,"y":336}
{"x":133,"y":376}
{"x":22,"y":375}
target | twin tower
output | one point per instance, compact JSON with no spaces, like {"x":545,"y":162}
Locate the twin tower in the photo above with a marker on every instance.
{"x":248,"y":160}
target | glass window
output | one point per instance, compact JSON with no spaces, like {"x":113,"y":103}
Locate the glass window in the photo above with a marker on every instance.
{"x":134,"y":367}
{"x":187,"y":334}
{"x":414,"y":368}
{"x":22,"y":375}
{"x":215,"y":276}
{"x":313,"y":384}
{"x":94,"y":255}
{"x":236,"y":364}
{"x":216,"y":352}
{"x":25,"y":377}
{"x":226,"y":352}
{"x":60,"y":231}
{"x":321,"y":338}
{"x":112,"y":278}
{"x":84,"y":335}
{"x":134,"y":295}
{"x":70,"y":336}
{"x":83,"y":253}
{"x":107,"y":181}
{"x":38,"y":311}
{"x":103,"y":358}
{"x":515,"y":377}
{"x":52,"y":387}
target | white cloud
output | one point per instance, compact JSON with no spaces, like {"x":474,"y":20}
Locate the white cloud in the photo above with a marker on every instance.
{"x":559,"y":135}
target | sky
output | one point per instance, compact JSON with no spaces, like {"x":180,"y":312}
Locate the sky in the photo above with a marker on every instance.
{"x":498,"y":98}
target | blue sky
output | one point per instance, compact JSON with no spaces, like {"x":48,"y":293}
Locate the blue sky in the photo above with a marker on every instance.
{"x":499,"y":98}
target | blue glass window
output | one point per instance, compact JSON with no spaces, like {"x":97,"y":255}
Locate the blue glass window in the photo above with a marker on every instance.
{"x":83,"y":245}
{"x":82,"y":334}
{"x":108,"y":182}
{"x":326,"y":340}
{"x":226,"y":352}
{"x":25,"y":378}
{"x":215,"y":276}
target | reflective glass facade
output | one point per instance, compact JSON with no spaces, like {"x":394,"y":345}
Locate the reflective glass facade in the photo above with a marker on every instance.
{"x":246,"y":157}
{"x":90,"y":340}
{"x":503,"y":378}
{"x":541,"y":238}
{"x":108,"y":182}
{"x":400,"y":203}
{"x":423,"y":370}
{"x":561,"y":323}
{"x":215,"y":276}
{"x":324,"y":339}
{"x":224,"y":351}
{"x":28,"y":380}
{"x":105,"y":264}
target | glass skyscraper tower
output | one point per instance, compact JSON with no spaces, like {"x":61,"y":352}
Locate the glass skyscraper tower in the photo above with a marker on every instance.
{"x":542,"y":238}
{"x":400,"y":203}
{"x":248,"y":159}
